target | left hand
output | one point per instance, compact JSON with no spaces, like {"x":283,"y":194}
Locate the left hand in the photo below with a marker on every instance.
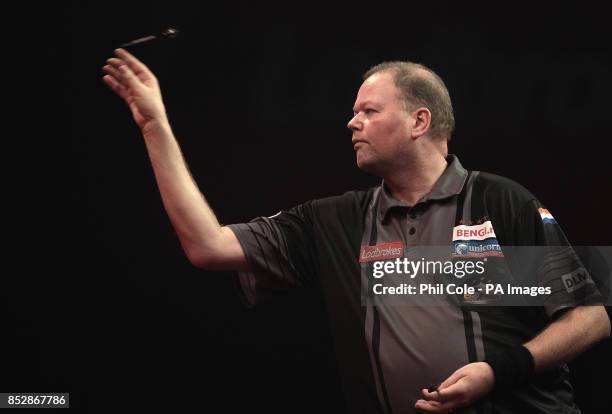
{"x":465,"y":386}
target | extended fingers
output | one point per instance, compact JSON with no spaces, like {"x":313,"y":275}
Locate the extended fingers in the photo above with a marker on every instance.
{"x":122,"y":73}
{"x":113,"y":70}
{"x":114,"y":85}
{"x":114,"y":79}
{"x":120,"y":78}
{"x":115,"y":62}
{"x":137,"y":67}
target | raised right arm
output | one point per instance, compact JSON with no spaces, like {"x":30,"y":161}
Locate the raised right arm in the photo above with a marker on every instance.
{"x":206,"y":243}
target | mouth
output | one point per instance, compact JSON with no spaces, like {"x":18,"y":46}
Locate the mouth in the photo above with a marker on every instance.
{"x":357,"y":143}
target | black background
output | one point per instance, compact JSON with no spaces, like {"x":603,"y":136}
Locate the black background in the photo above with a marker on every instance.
{"x":108,"y":308}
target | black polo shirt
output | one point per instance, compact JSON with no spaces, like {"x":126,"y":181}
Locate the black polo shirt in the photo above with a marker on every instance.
{"x":388,"y":353}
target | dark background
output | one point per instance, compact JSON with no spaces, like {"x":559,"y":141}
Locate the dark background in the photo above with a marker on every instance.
{"x":107,"y":307}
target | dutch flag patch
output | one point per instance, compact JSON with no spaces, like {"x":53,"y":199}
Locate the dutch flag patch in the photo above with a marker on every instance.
{"x":547,"y":218}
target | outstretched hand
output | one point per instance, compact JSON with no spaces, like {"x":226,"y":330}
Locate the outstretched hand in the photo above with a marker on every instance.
{"x":137,"y":86}
{"x":464,"y":387}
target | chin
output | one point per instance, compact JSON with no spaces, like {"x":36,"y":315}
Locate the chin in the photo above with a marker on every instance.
{"x":368,"y":166}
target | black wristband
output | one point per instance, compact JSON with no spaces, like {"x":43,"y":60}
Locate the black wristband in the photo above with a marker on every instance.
{"x":511,"y":367}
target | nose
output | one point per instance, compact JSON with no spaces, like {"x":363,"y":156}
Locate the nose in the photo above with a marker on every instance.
{"x":354,"y":124}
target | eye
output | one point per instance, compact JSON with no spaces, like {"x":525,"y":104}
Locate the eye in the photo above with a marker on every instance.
{"x":369,"y":111}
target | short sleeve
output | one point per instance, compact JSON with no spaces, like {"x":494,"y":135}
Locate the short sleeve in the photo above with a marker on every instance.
{"x":546,"y":252}
{"x":279,"y":251}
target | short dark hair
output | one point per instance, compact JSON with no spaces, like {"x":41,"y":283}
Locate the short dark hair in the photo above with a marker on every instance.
{"x":421,"y":86}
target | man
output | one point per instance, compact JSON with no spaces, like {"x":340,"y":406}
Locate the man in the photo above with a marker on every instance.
{"x":480,"y":359}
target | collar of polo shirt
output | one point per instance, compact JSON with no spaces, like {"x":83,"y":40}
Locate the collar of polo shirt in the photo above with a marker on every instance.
{"x":449,"y":184}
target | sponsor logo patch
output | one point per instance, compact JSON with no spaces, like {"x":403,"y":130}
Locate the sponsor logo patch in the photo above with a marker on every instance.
{"x":476,"y":241}
{"x":485,"y":248}
{"x":576,"y":279}
{"x":383,"y":251}
{"x":478,"y":232}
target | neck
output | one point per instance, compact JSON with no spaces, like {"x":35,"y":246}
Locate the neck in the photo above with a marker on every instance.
{"x":416,"y":179}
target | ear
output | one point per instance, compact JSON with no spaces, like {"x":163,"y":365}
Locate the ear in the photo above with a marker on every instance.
{"x":422,"y":122}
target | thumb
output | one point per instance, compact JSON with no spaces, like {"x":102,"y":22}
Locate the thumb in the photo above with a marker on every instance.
{"x":456,"y":376}
{"x":449,"y":393}
{"x":447,"y":389}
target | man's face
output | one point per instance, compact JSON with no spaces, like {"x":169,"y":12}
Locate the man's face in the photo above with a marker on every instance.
{"x":381,"y":125}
